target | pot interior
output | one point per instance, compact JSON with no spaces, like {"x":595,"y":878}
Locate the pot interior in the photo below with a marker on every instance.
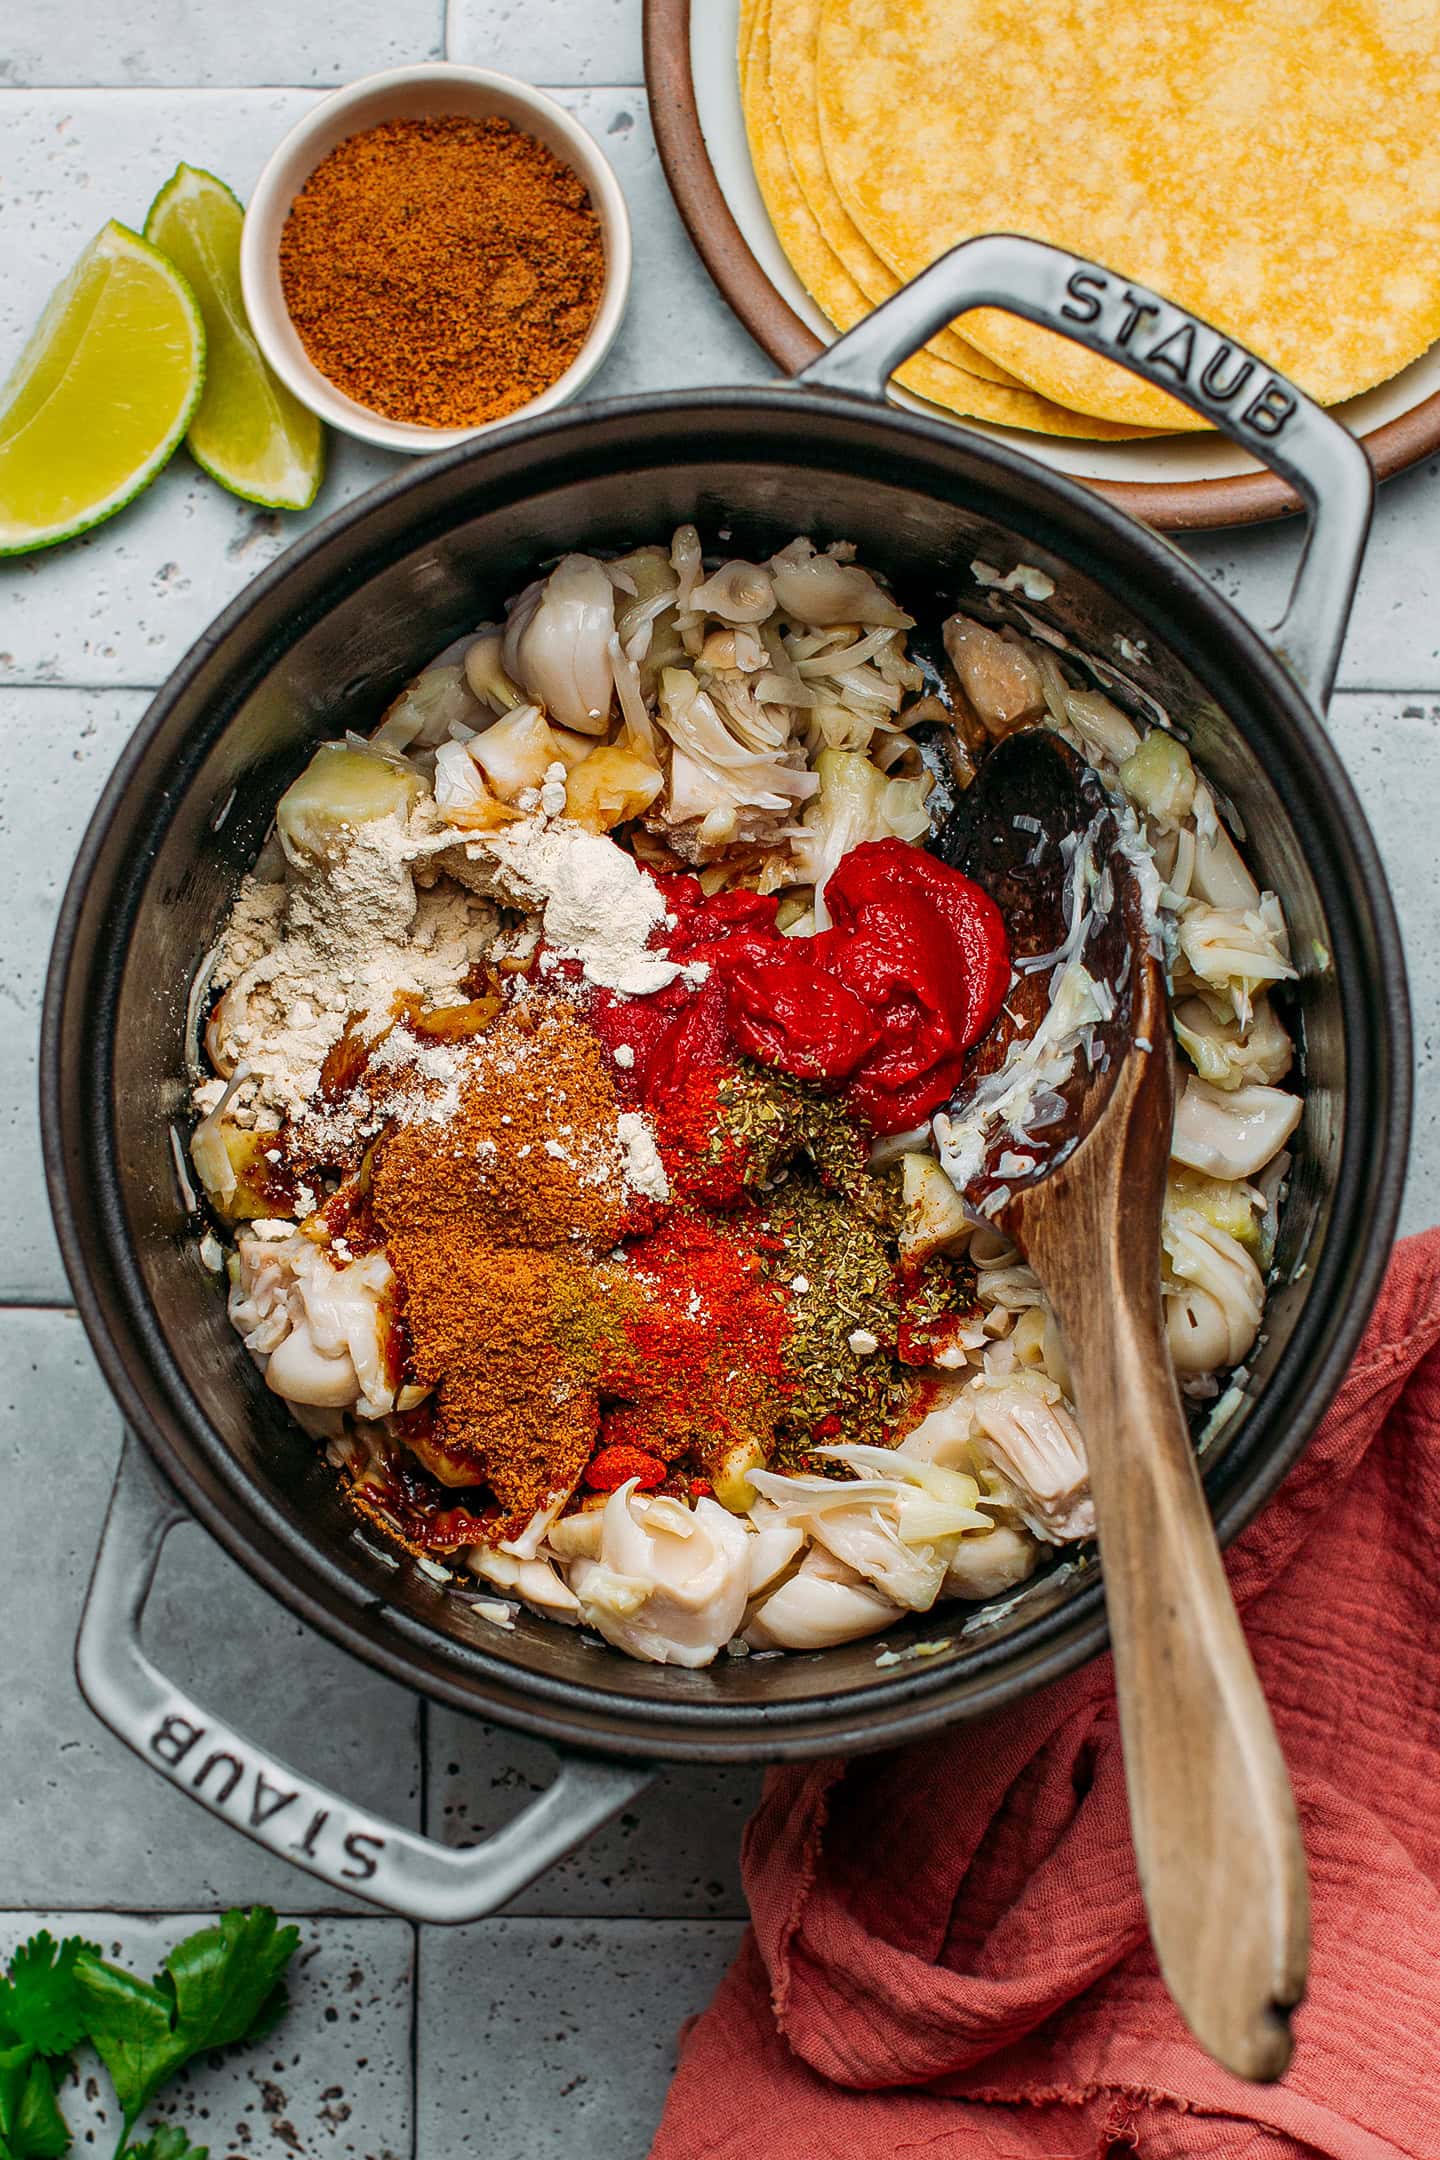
{"x":321,"y":644}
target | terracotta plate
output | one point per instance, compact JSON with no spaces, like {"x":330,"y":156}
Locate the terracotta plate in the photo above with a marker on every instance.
{"x":1179,"y":484}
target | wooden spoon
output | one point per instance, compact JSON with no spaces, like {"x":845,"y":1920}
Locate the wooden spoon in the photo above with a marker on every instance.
{"x":1216,"y":1835}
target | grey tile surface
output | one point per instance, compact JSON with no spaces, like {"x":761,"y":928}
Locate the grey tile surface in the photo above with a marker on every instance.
{"x":332,"y":2080}
{"x":1391,"y":747}
{"x":583,"y":2019}
{"x":212,"y":41}
{"x":82,"y":1820}
{"x":56,"y":748}
{"x":549,"y":41}
{"x":1394,"y":636}
{"x":122,"y":604}
{"x":672,"y":1852}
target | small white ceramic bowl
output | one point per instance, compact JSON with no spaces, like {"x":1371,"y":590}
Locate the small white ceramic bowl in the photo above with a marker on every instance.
{"x":418,"y":93}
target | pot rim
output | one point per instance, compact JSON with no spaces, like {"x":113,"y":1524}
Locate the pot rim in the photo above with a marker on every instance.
{"x":906,"y":1701}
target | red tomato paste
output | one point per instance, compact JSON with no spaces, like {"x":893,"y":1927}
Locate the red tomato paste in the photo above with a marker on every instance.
{"x":881,"y":1008}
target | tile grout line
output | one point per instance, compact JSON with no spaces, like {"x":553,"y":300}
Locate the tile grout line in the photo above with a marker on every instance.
{"x":305,"y":1915}
{"x":352,"y":1914}
{"x":270,"y":89}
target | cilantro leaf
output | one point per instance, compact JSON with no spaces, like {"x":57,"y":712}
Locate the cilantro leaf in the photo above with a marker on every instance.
{"x":228,"y":1979}
{"x":220,"y":1986}
{"x":128,"y":2021}
{"x":40,"y":2000}
{"x":169,"y":2142}
{"x":14,"y":2069}
{"x":31,"y":2125}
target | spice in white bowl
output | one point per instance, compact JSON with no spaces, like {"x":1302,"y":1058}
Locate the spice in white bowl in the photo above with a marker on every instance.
{"x":442,"y":271}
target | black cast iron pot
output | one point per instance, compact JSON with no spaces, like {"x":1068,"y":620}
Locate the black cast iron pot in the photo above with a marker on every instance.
{"x":320,"y":642}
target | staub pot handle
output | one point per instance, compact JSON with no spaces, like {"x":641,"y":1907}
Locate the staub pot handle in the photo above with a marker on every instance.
{"x":1215,"y":375}
{"x":253,"y":1791}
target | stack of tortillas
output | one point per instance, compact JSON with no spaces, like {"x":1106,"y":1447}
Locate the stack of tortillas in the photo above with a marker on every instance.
{"x":1273,"y":167}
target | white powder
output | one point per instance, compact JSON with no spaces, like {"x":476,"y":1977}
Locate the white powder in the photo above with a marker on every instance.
{"x":297,"y":958}
{"x":431,"y":1060}
{"x":644,"y":1171}
{"x":434,"y":1071}
{"x":420,"y":1084}
{"x":599,"y":907}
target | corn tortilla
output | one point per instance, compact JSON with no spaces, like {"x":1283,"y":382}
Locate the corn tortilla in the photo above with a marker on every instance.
{"x":1275,"y":168}
{"x":826,"y":278}
{"x":794,"y":32}
{"x":819,"y":271}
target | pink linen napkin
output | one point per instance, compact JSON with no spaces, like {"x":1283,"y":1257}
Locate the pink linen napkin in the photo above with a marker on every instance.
{"x":948,"y":1952}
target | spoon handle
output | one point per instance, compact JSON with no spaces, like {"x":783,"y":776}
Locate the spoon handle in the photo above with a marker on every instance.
{"x":1216,"y":1834}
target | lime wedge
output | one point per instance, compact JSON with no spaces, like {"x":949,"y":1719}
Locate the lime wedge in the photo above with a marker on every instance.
{"x":101,"y":395}
{"x":249,"y":432}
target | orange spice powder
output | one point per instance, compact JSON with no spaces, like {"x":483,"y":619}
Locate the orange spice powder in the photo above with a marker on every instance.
{"x":443,"y":272}
{"x":493,"y":1222}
